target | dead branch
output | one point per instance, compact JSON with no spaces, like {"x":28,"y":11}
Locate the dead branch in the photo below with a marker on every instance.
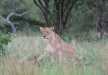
{"x":7,"y":19}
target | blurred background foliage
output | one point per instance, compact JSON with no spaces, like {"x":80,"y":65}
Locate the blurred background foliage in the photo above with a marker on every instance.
{"x":80,"y":25}
{"x":82,"y":18}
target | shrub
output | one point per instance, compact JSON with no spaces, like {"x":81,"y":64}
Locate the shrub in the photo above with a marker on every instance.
{"x":4,"y":39}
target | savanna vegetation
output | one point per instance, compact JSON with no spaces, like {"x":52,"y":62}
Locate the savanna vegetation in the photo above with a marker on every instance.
{"x":82,"y":23}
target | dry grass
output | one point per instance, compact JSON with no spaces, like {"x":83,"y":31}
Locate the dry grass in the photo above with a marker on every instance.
{"x":11,"y":66}
{"x":23,"y":46}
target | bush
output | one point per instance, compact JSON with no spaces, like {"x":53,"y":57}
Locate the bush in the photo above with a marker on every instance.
{"x":4,"y":39}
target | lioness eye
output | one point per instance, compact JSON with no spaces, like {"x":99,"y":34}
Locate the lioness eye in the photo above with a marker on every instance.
{"x":46,"y":32}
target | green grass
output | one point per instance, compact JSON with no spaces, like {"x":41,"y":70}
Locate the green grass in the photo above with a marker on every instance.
{"x":12,"y":67}
{"x":93,"y":55}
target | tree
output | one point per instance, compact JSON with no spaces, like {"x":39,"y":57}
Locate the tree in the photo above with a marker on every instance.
{"x":62,"y":11}
{"x":101,"y":18}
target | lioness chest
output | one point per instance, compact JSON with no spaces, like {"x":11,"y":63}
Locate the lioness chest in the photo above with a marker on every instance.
{"x":58,"y":44}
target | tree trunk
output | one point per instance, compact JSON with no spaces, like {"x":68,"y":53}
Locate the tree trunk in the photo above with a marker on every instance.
{"x":62,"y":10}
{"x":100,"y":4}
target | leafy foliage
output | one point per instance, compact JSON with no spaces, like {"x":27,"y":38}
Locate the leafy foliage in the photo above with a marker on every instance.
{"x":4,"y":39}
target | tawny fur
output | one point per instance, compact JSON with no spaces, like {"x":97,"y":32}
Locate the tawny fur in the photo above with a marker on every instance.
{"x":55,"y":45}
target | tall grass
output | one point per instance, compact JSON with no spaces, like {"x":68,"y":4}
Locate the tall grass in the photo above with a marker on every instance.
{"x":12,"y":67}
{"x":24,"y":46}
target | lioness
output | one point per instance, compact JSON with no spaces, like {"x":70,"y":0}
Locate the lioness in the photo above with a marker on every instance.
{"x":55,"y":45}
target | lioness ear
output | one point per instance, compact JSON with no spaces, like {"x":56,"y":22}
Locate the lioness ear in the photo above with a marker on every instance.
{"x":41,"y":28}
{"x":52,"y":28}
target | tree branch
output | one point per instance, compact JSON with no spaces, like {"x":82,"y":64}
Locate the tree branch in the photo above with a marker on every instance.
{"x":7,"y":20}
{"x":43,"y":8}
{"x":68,"y":12}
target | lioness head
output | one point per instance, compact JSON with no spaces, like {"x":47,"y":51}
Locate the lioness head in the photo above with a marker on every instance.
{"x":47,"y":31}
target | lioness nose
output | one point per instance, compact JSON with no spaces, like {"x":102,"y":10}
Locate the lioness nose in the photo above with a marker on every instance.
{"x":44,"y":36}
